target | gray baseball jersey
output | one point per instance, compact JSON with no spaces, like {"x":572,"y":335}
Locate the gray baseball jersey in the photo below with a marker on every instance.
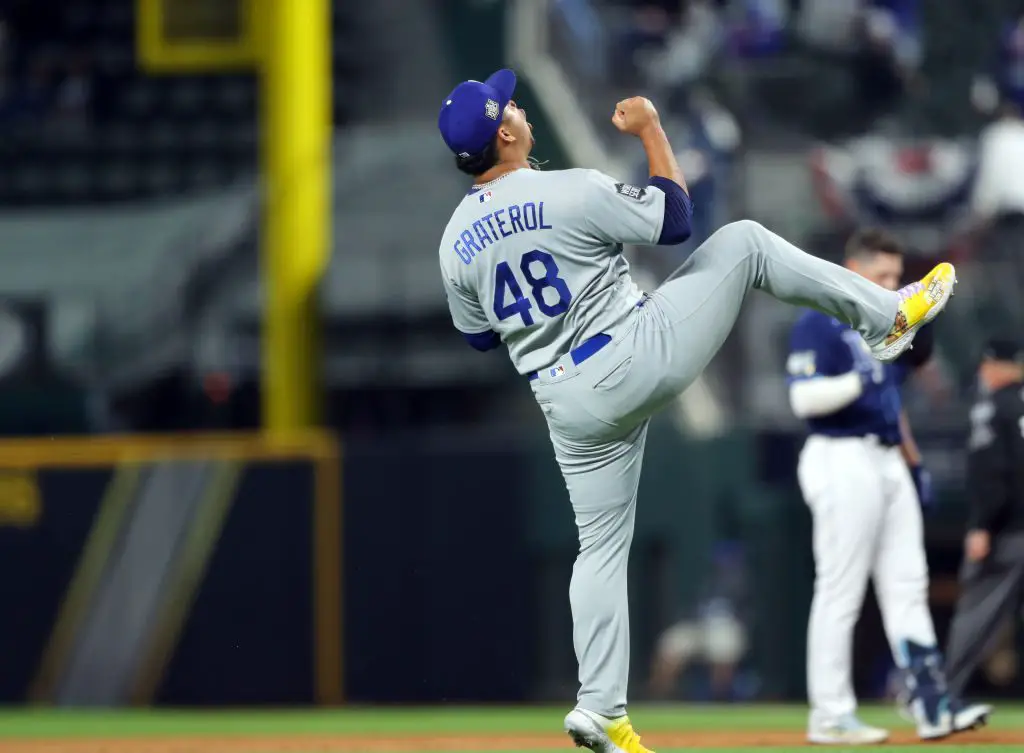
{"x":536,"y":257}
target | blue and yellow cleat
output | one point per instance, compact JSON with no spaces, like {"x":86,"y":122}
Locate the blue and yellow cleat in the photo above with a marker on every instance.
{"x":602,"y":735}
{"x":920,"y":302}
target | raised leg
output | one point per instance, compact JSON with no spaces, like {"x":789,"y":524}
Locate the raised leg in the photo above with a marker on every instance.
{"x":695,"y":309}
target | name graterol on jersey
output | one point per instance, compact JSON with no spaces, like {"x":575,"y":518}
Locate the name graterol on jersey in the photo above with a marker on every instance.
{"x":520,"y":219}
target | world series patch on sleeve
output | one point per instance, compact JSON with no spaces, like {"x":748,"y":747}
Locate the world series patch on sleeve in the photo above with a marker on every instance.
{"x":633,"y":192}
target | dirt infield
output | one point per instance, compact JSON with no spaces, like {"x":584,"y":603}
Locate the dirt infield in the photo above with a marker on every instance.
{"x":415,"y":743}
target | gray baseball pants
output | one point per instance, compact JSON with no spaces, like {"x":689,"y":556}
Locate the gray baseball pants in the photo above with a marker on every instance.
{"x":598,"y":412}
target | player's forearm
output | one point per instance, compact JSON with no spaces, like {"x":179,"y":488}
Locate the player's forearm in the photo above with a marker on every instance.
{"x":661,"y":160}
{"x":908,"y":445}
{"x":823,"y":395}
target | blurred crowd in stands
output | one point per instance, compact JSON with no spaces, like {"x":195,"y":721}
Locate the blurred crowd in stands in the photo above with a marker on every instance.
{"x":670,"y":45}
{"x":43,"y":80}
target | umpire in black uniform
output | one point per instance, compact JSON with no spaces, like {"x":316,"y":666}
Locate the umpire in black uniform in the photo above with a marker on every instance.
{"x":992,"y":577}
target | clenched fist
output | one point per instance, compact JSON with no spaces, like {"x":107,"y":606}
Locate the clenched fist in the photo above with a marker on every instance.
{"x":634,"y":115}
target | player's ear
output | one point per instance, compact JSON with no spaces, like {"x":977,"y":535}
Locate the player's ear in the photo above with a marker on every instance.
{"x":505,"y":135}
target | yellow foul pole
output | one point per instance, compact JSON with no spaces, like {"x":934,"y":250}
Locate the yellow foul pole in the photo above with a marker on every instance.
{"x":295,"y":90}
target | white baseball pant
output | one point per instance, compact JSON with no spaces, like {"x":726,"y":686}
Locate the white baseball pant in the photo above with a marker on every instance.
{"x":867,"y":524}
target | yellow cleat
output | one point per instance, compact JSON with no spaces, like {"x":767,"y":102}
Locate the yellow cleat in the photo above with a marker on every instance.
{"x":920,"y":302}
{"x":602,"y":735}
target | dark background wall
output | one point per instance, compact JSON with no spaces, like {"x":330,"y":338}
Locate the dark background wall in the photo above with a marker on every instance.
{"x":456,"y":592}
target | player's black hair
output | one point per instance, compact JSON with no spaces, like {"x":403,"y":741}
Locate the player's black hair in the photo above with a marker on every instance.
{"x":870,"y":241}
{"x":478,"y":164}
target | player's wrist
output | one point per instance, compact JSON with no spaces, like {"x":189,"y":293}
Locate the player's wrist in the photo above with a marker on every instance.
{"x":652,"y":131}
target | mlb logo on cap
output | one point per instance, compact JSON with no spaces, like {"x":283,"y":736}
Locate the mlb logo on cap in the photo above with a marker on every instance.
{"x":557,"y":371}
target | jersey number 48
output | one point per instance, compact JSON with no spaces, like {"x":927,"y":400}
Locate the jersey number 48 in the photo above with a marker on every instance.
{"x":505,"y":283}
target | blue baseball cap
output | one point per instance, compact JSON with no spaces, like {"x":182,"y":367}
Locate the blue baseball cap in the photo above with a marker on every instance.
{"x":471,"y":114}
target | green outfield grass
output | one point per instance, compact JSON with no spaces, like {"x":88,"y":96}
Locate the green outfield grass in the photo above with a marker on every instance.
{"x":353,"y":727}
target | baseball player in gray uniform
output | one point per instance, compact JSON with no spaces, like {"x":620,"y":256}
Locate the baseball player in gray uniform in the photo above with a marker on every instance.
{"x":533,"y":260}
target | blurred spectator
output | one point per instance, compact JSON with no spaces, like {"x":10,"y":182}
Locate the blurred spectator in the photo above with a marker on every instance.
{"x":997,"y":201}
{"x":74,"y":94}
{"x":997,"y":208}
{"x":888,"y":27}
{"x":587,"y":35}
{"x":669,"y":43}
{"x":689,"y":47}
{"x":1006,"y":81}
{"x":873,"y":50}
{"x":33,"y":99}
{"x":647,"y":31}
{"x":829,"y":24}
{"x":894,"y":26}
{"x":5,"y":65}
{"x":1012,"y":73}
{"x":758,"y":28}
{"x":889,"y":53}
{"x":998,"y":190}
{"x":714,"y":635}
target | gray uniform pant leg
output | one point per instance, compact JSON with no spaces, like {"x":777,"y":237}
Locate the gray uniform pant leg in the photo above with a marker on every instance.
{"x":602,"y":477}
{"x":990,"y":592}
{"x":702,"y":299}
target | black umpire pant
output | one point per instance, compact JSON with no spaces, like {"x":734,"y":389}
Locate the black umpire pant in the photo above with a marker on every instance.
{"x":991,"y":590}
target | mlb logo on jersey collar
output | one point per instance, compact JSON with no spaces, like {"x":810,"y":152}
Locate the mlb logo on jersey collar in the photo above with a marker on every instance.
{"x":556,"y":372}
{"x":485,"y":197}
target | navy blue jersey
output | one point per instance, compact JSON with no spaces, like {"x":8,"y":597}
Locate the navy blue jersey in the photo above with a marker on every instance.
{"x":823,"y":346}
